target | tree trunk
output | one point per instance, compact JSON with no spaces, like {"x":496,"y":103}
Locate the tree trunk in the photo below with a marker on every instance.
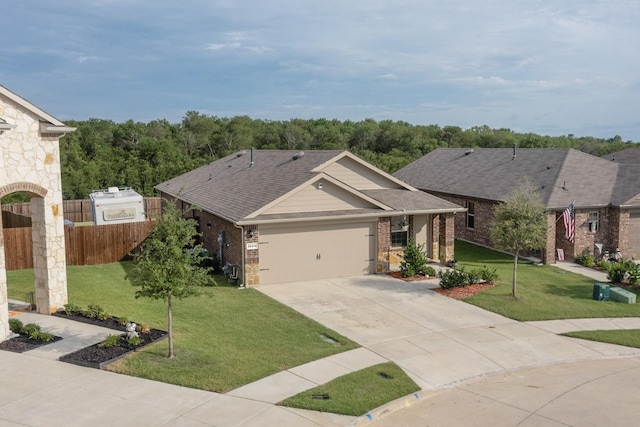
{"x":515,"y":274}
{"x":170,"y":327}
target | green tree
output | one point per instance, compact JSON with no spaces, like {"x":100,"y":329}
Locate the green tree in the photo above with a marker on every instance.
{"x":169,"y":265}
{"x":519,"y":224}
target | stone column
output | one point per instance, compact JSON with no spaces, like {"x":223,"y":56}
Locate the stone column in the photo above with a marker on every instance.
{"x":48,"y":254}
{"x":4,"y":303}
{"x":549,"y":256}
{"x":447,"y":237}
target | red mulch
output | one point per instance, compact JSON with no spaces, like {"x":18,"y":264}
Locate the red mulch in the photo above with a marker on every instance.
{"x":464,"y":291}
{"x":457,"y":293}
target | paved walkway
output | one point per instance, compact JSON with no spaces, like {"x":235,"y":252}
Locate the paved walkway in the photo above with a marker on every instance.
{"x":441,"y":343}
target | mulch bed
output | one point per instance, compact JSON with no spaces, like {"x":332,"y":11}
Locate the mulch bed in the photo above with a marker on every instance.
{"x":97,"y":357}
{"x":457,"y":293}
{"x":23,"y":343}
{"x":463,"y":292}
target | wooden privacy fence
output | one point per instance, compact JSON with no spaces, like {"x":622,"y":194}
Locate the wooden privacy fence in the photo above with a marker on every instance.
{"x":19,"y":214}
{"x":87,"y":245}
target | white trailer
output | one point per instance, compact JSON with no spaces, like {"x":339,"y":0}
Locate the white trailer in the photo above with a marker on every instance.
{"x":116,"y":206}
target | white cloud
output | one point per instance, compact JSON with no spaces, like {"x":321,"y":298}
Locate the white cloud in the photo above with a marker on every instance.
{"x":528,"y":64}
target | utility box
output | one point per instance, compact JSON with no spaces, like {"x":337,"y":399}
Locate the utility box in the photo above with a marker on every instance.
{"x":601,"y":292}
{"x":116,"y":206}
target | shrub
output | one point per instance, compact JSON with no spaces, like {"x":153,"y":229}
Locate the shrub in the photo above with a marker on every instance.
{"x":617,"y":272}
{"x":15,"y":325}
{"x":30,"y":329}
{"x":95,"y":311}
{"x":604,"y":265}
{"x":134,"y":341}
{"x":460,"y":277}
{"x":414,"y":260}
{"x":123,"y":320}
{"x":453,"y":278}
{"x":633,"y":274}
{"x":110,"y":341}
{"x":585,"y":258}
{"x":430,"y":271}
{"x":41,"y":336}
{"x":144,"y":328}
{"x":489,"y":276}
{"x":71,"y":309}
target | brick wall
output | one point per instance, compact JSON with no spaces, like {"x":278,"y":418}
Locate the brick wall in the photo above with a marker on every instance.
{"x":483,"y":215}
{"x":384,"y":244}
{"x":612,"y":231}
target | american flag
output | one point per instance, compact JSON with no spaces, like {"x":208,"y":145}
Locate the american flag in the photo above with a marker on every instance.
{"x":569,"y":220}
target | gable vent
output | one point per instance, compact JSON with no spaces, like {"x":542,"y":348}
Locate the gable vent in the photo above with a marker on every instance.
{"x":297,"y":155}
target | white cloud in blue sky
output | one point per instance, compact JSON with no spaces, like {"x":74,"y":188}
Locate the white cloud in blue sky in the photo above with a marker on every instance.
{"x":549,"y":67}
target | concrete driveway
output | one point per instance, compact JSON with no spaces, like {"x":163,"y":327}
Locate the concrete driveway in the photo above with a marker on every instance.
{"x":437,"y":340}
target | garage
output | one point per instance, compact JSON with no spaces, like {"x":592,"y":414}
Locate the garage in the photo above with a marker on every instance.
{"x":290,"y":253}
{"x":634,"y":233}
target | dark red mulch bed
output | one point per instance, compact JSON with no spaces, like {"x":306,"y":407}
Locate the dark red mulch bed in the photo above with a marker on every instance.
{"x":23,"y":343}
{"x":463,"y":292}
{"x":97,"y":357}
{"x":457,"y":292}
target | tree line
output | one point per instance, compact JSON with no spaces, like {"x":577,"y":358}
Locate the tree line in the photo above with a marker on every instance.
{"x":102,"y":153}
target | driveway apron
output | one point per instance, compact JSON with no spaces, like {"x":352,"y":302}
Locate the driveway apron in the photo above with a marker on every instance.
{"x":437,"y":340}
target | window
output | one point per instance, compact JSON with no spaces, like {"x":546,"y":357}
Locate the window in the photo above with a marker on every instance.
{"x":594,"y":221}
{"x":471,"y":217}
{"x":399,"y":235}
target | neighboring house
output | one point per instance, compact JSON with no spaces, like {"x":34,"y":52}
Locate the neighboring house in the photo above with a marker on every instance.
{"x":30,"y":164}
{"x":606,"y":193}
{"x":284,"y":216}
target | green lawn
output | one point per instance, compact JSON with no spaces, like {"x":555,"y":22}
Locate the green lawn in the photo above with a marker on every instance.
{"x":223,"y":340}
{"x":356,"y":393}
{"x":626,"y":337}
{"x":545,"y":292}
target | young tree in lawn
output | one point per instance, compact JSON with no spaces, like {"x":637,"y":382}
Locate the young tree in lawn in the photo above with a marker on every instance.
{"x":520,"y":224}
{"x":168,"y":265}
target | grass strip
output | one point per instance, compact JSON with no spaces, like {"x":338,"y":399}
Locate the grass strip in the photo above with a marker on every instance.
{"x":356,"y":393}
{"x":626,"y":337}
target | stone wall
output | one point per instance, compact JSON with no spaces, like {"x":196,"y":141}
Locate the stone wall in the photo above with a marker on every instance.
{"x":30,"y":163}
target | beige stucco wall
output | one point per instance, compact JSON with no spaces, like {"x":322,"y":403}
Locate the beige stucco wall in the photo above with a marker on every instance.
{"x":30,"y":162}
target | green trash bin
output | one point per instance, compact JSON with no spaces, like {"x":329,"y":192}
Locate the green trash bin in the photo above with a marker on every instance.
{"x":601,"y":292}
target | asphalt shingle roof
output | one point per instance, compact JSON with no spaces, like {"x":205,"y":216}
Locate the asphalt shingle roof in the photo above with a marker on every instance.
{"x":561,"y":175}
{"x":627,"y":188}
{"x":233,"y":188}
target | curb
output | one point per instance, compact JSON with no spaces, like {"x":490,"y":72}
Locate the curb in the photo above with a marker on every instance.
{"x":391,"y":407}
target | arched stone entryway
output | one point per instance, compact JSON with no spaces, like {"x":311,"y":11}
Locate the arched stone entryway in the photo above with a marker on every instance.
{"x":30,"y":164}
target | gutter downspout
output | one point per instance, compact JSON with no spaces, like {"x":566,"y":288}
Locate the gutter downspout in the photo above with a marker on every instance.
{"x":241,"y":228}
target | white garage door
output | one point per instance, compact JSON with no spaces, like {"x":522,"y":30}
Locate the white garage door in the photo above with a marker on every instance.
{"x":634,"y":233}
{"x":307,"y":252}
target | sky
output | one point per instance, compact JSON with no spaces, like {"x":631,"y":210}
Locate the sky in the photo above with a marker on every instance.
{"x":549,"y":67}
